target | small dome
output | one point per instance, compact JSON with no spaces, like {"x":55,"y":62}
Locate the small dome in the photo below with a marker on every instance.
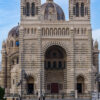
{"x":52,"y":11}
{"x":14,"y":32}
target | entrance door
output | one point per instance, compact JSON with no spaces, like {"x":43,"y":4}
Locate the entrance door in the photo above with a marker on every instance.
{"x":79,"y":87}
{"x":54,"y":88}
{"x":30,"y":88}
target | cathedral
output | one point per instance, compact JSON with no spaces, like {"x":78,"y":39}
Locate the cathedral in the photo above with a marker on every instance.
{"x":46,"y":56}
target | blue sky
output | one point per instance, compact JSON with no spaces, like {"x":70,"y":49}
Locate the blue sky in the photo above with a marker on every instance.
{"x":10,"y":16}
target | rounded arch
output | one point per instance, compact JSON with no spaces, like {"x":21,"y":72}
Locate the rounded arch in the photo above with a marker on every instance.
{"x":81,"y":75}
{"x":55,"y":58}
{"x":80,"y":78}
{"x":80,"y":84}
{"x":30,"y":74}
{"x":30,"y":85}
{"x":57,"y":48}
{"x":49,"y":44}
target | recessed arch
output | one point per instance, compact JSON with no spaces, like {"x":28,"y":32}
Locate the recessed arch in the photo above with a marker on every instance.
{"x":49,"y":44}
{"x":55,"y":57}
{"x":30,"y":85}
{"x":55,"y":64}
{"x":80,"y":84}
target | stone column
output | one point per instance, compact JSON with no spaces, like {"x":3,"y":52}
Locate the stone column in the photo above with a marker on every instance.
{"x":40,"y":63}
{"x":21,"y":59}
{"x":90,"y":63}
{"x":70,"y":66}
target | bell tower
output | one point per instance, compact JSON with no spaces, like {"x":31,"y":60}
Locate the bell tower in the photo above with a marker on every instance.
{"x":30,"y":9}
{"x":79,"y":9}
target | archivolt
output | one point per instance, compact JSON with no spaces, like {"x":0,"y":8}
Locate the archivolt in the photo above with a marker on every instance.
{"x":82,"y":75}
{"x":30,"y":74}
{"x":49,"y":44}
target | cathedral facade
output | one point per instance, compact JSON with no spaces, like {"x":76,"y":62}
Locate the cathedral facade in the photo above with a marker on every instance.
{"x":45,"y":55}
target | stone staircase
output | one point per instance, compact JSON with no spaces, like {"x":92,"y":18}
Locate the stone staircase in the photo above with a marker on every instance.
{"x":59,"y":99}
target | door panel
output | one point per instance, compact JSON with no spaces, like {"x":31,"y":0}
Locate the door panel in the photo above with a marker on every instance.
{"x":30,"y":88}
{"x":79,"y":87}
{"x":54,"y":88}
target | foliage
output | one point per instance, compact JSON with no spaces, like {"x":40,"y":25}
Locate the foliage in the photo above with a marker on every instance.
{"x":2,"y":92}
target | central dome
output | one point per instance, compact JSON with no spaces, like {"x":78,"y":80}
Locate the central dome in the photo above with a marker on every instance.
{"x":51,"y":11}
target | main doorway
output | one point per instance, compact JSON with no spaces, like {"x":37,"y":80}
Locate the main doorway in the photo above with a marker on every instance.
{"x":30,"y":85}
{"x":55,"y":64}
{"x":80,"y":84}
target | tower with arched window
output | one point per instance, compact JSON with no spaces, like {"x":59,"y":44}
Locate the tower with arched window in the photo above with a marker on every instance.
{"x":30,"y":9}
{"x":79,"y":9}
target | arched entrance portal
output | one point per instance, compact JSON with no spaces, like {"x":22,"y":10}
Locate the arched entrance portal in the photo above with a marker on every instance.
{"x":80,"y":84}
{"x":30,"y":85}
{"x":55,"y":64}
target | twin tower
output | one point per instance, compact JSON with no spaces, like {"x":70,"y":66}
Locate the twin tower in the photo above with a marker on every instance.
{"x":78,"y":9}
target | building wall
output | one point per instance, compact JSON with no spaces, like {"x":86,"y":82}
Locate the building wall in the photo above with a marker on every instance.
{"x":35,"y":37}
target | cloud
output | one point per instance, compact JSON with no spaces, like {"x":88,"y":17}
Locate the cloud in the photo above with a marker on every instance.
{"x":96,"y":35}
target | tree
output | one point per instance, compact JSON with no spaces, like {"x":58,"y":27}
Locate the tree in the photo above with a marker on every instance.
{"x":2,"y":92}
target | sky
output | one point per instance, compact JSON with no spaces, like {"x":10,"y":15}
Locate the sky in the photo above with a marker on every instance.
{"x":10,"y":17}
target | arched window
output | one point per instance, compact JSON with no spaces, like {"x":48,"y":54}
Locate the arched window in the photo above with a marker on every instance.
{"x":27,"y":9}
{"x":47,"y":31}
{"x":33,"y":9}
{"x":49,"y":64}
{"x":74,"y":11}
{"x":30,"y":85}
{"x":77,"y":9}
{"x":17,"y":43}
{"x":82,"y":9}
{"x":63,"y":31}
{"x":59,"y":31}
{"x":80,"y":84}
{"x":28,"y":30}
{"x":60,"y":64}
{"x":55,"y":31}
{"x":51,"y":31}
{"x":32,"y":31}
{"x":54,"y":64}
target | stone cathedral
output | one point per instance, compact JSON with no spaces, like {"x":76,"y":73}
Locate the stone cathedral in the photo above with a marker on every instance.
{"x":45,"y":55}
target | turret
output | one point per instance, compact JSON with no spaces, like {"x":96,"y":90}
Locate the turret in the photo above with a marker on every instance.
{"x":79,"y":9}
{"x":30,"y":10}
{"x":96,"y":45}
